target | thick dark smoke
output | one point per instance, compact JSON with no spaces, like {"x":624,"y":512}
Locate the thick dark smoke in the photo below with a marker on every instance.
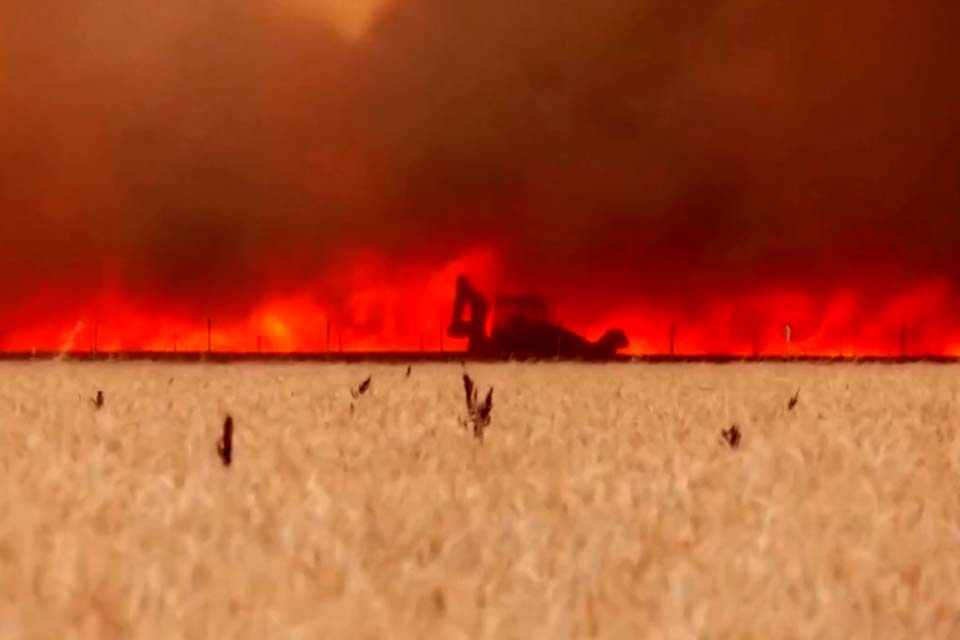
{"x":210,"y":151}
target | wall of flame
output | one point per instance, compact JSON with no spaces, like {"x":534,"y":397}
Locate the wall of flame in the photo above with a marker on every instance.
{"x":723,"y":167}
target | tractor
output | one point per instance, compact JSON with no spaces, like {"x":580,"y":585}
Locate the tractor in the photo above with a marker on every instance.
{"x":522,"y":328}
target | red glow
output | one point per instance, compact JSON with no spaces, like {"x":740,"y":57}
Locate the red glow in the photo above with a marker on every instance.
{"x":390,"y":309}
{"x":914,"y":323}
{"x":386,"y":309}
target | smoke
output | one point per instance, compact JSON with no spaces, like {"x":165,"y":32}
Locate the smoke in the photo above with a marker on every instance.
{"x":71,"y":340}
{"x":682,"y":149}
{"x":208,"y":153}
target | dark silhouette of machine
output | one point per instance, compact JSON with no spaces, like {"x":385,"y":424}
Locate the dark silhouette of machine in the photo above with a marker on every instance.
{"x":522,"y":329}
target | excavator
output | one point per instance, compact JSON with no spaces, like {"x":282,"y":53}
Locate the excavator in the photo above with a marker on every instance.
{"x":522,"y":329}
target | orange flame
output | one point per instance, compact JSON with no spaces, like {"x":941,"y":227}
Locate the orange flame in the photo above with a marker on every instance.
{"x":914,"y":323}
{"x":407,"y":309}
{"x":386,"y":310}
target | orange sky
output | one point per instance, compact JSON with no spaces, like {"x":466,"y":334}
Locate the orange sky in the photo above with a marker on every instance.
{"x":723,"y":165}
{"x":350,"y":17}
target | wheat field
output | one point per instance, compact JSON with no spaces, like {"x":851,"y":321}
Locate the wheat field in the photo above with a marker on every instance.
{"x":601,"y":504}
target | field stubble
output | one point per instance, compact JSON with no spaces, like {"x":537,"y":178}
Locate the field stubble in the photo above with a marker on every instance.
{"x":602,"y":502}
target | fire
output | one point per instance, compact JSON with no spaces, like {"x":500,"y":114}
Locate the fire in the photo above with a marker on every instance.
{"x":841,"y":324}
{"x":386,"y":308}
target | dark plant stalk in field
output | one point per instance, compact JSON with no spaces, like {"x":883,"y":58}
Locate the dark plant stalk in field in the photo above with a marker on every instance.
{"x":362,"y":389}
{"x":731,"y":436}
{"x":471,"y":394}
{"x":225,"y":444}
{"x":359,"y":391}
{"x":793,"y":401}
{"x":482,"y":418}
{"x":478,"y":414}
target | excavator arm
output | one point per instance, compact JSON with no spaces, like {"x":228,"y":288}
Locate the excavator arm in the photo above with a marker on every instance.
{"x":473,"y":327}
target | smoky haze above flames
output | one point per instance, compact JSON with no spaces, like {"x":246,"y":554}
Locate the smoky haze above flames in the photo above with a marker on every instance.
{"x":210,"y":152}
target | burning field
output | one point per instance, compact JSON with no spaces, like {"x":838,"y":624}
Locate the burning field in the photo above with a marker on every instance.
{"x":283,"y":166}
{"x":617,"y":501}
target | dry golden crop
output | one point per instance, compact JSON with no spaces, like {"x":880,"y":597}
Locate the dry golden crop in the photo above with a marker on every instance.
{"x":602,"y":502}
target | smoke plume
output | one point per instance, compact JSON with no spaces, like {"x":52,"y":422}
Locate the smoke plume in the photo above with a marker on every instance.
{"x":200,"y":157}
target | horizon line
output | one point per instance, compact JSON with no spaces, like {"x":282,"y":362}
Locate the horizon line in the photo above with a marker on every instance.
{"x":448,"y":356}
